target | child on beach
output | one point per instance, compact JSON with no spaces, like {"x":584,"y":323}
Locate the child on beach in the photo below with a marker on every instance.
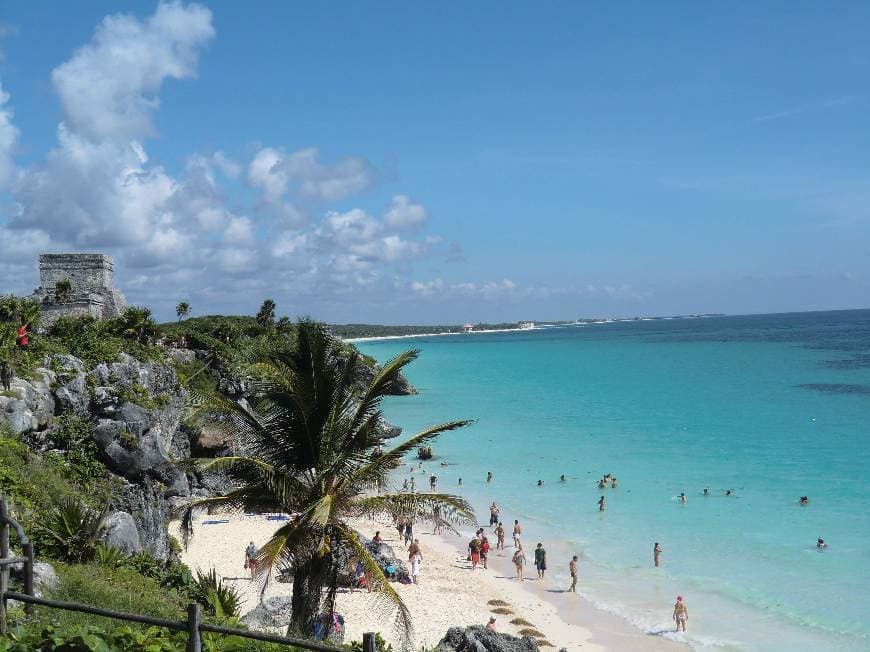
{"x":519,"y":560}
{"x":484,"y":550}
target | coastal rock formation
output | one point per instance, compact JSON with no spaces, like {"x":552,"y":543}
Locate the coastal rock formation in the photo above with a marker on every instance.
{"x":477,"y":638}
{"x":274,"y":612}
{"x":121,"y":533}
{"x":400,"y":387}
{"x":29,"y":403}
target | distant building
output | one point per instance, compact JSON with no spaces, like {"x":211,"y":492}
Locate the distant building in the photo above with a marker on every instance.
{"x":91,"y":285}
{"x":525,"y":325}
{"x":467,"y":328}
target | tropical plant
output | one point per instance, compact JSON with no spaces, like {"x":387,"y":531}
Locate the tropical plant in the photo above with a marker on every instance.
{"x":71,"y":529}
{"x":63,"y":291}
{"x":315,"y":451}
{"x":222,"y":600}
{"x":182,"y":310}
{"x":136,"y":324}
{"x":109,"y":555}
{"x":266,"y":314}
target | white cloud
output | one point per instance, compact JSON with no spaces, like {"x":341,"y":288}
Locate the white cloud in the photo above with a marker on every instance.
{"x":108,"y":88}
{"x":405,"y":214}
{"x":8,"y":138}
{"x":276,"y":173}
{"x":175,"y":234}
{"x":489,"y":291}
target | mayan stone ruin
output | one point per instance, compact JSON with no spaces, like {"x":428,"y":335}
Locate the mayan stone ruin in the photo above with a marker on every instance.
{"x":91,"y":280}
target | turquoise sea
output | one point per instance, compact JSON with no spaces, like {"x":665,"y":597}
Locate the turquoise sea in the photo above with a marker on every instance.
{"x":773,"y":407}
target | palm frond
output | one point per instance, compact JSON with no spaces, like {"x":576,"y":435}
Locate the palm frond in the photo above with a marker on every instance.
{"x":380,"y":585}
{"x":446,"y":508}
{"x":252,"y":496}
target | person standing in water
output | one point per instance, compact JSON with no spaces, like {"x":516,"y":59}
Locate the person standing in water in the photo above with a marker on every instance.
{"x":489,"y":476}
{"x":540,"y":560}
{"x":657,"y":552}
{"x":681,"y":614}
{"x":493,"y":513}
{"x":518,"y":531}
{"x":572,"y":567}
{"x":601,"y":504}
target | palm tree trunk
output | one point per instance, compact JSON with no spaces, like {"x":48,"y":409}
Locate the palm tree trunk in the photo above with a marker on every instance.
{"x":309,"y":579}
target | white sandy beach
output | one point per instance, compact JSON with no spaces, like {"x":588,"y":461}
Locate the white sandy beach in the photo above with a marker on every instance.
{"x":448,"y":594}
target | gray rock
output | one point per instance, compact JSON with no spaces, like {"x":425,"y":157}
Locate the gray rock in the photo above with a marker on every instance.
{"x":30,"y":405}
{"x":479,"y":639}
{"x":177,"y":485}
{"x":181,"y":356}
{"x":44,"y":577}
{"x":72,"y":395}
{"x":121,"y":533}
{"x":274,"y":612}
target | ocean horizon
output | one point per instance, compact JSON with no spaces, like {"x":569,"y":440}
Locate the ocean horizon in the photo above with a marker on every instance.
{"x":770,"y":407}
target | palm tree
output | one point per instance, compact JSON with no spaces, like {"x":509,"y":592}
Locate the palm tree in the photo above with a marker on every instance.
{"x":136,"y":324}
{"x":182,"y":310}
{"x":314,"y":451}
{"x":266,"y":314}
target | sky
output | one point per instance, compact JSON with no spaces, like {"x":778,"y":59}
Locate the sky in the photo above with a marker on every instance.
{"x":412,"y":163}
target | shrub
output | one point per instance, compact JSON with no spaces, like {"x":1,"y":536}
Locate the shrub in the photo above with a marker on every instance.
{"x":71,"y":529}
{"x":222,"y":600}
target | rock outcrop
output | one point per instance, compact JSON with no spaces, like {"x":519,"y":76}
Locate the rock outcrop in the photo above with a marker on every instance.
{"x":274,"y":612}
{"x":29,"y":404}
{"x":479,"y":639}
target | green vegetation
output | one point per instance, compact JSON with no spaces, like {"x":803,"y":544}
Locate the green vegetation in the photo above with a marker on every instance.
{"x":266,"y":314}
{"x":63,"y":290}
{"x":182,"y":310}
{"x":317,"y":453}
{"x":71,"y":529}
{"x":350,"y":331}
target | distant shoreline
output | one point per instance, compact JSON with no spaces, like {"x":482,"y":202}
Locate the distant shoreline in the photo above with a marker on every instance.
{"x":376,"y":338}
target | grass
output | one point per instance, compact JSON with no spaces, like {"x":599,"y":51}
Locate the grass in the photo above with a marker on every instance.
{"x":502,"y":611}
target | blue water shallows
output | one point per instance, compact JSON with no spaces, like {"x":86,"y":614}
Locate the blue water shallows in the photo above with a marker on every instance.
{"x":772,"y":407}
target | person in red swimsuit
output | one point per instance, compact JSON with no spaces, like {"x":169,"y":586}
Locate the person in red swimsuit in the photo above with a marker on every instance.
{"x":23,"y":337}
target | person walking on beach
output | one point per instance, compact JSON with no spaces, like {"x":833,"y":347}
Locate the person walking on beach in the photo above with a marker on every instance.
{"x":484,"y":551}
{"x":413,"y":549}
{"x":518,"y":531}
{"x":681,"y":614}
{"x":251,"y":558}
{"x":416,"y":560}
{"x":493,"y":513}
{"x":657,"y":552}
{"x":409,"y":531}
{"x":474,"y":552}
{"x":540,"y":560}
{"x":601,"y":504}
{"x":519,"y":560}
{"x":499,"y":532}
{"x":573,"y":568}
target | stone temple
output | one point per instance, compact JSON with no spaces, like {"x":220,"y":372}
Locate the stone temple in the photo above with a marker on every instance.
{"x":91,"y":278}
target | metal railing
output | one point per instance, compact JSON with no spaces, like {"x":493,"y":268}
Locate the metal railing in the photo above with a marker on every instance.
{"x":193,"y":625}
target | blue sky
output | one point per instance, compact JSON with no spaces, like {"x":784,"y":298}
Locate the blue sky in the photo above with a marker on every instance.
{"x":411,"y":163}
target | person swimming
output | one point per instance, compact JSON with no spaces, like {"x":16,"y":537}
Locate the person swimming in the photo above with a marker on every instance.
{"x":727,"y":492}
{"x":804,"y":500}
{"x":683,"y":497}
{"x":601,"y":504}
{"x":820,"y":544}
{"x":706,"y":491}
{"x":489,"y":476}
{"x":562,"y":478}
{"x":540,"y":483}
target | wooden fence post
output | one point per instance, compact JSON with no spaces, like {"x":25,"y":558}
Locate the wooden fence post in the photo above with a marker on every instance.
{"x":28,"y":575}
{"x":194,"y":615}
{"x":369,"y":642}
{"x":4,"y":569}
